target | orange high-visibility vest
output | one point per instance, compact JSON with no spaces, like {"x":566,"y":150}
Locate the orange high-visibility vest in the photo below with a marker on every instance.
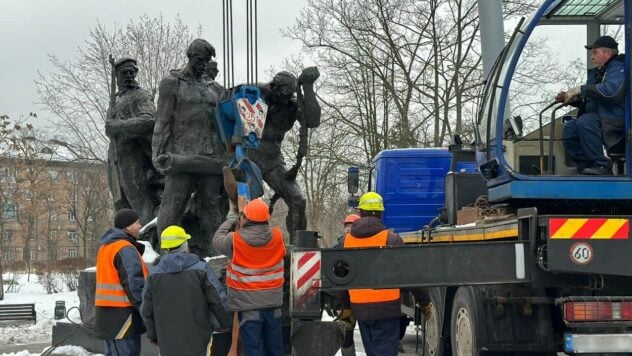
{"x":256,"y":267}
{"x":358,"y":296}
{"x":110,"y":292}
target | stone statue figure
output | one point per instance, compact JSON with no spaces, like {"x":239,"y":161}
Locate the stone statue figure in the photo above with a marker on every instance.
{"x":211,"y":73}
{"x":187,"y":149}
{"x":284,"y":109}
{"x":133,"y":180}
{"x":211,"y":69}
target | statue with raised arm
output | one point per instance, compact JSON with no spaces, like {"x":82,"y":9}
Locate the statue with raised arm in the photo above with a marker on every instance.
{"x":186,"y":148}
{"x":134,"y":182}
{"x":284,"y":109}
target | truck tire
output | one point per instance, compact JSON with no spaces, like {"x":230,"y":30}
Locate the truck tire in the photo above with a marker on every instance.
{"x":433,"y":345}
{"x":464,"y":328}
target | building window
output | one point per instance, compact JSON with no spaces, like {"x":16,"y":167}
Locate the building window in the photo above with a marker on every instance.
{"x":53,"y":175}
{"x":10,"y":211}
{"x":53,"y":234}
{"x":52,"y":255}
{"x":72,"y":236}
{"x":6,"y":254}
{"x":33,"y":254}
{"x":52,"y":215}
{"x":72,"y":252}
{"x":28,"y":194}
{"x":31,"y":235}
{"x":71,"y":176}
{"x":7,"y":235}
{"x":71,"y":216}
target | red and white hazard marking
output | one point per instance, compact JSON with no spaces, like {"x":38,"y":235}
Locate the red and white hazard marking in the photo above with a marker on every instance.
{"x":305,"y":273}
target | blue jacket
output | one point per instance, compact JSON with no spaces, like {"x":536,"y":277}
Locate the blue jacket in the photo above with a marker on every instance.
{"x":604,"y":91}
{"x":109,"y":322}
{"x":183,"y":302}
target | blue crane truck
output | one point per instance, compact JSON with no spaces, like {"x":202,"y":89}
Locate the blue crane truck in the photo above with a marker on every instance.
{"x":507,"y":249}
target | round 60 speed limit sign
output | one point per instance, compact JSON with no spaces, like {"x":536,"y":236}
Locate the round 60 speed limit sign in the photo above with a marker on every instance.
{"x":581,"y":253}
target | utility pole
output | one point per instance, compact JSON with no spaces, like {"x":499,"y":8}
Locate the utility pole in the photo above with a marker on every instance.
{"x":490,"y":16}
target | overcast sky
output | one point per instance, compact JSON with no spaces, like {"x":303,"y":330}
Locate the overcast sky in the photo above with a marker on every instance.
{"x":31,"y":29}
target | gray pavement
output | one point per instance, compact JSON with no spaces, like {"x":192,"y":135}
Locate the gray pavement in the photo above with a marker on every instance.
{"x":408,"y":342}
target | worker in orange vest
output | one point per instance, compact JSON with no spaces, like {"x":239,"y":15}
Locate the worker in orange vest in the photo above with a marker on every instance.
{"x":377,"y":311}
{"x":121,"y":275}
{"x":254,"y":277}
{"x":346,"y":316}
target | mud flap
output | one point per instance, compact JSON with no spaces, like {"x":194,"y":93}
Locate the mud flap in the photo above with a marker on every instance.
{"x":316,"y":338}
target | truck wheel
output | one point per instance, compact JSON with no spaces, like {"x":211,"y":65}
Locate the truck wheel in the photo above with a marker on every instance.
{"x":463,"y":324}
{"x":432,"y":328}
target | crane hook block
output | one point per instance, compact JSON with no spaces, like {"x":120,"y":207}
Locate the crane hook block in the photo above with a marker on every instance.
{"x":241,"y":118}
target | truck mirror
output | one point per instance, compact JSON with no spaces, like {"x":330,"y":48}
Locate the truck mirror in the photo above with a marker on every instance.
{"x":353,"y":179}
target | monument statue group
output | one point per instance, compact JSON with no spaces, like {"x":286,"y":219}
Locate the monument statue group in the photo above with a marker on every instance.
{"x":166,"y":161}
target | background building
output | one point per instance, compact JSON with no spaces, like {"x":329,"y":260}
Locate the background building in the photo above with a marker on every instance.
{"x":52,"y":209}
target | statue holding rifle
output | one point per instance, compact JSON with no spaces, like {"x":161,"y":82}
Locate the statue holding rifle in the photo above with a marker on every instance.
{"x":133,"y":180}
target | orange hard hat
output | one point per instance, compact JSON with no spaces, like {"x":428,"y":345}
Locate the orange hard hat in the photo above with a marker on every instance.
{"x":351,"y":218}
{"x":257,"y":210}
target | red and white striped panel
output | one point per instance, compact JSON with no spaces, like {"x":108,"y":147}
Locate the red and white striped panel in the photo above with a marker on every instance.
{"x":305,"y":273}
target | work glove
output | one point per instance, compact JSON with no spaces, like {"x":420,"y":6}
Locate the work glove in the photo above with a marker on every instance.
{"x":427,"y":311}
{"x":346,"y":316}
{"x":573,"y":95}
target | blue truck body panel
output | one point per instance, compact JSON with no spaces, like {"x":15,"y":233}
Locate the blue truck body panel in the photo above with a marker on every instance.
{"x":411,"y":182}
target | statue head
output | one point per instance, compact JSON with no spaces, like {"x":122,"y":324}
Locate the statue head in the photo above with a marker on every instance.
{"x":211,"y":69}
{"x":283,"y":86}
{"x":199,"y":53}
{"x":126,"y":69}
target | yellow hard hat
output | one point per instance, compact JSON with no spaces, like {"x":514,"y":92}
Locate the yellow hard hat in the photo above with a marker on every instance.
{"x":371,"y":201}
{"x":172,"y":237}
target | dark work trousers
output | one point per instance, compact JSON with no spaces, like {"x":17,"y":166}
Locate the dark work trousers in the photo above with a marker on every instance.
{"x":380,"y":337}
{"x":129,"y":346}
{"x":584,"y":143}
{"x":261,"y":332}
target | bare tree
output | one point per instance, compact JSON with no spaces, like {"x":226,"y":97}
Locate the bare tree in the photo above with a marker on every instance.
{"x":88,"y":200}
{"x":5,"y":131}
{"x":373,"y":49}
{"x":31,"y":185}
{"x":401,"y":73}
{"x":77,"y":92}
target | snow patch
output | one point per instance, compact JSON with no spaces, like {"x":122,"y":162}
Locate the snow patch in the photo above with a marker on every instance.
{"x":61,"y":350}
{"x":23,"y":333}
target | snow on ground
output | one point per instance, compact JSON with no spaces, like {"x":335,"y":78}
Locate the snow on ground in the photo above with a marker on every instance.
{"x":61,"y":350}
{"x":25,"y":333}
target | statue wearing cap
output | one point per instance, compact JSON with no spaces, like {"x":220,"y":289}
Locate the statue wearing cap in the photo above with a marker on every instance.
{"x":134,"y":182}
